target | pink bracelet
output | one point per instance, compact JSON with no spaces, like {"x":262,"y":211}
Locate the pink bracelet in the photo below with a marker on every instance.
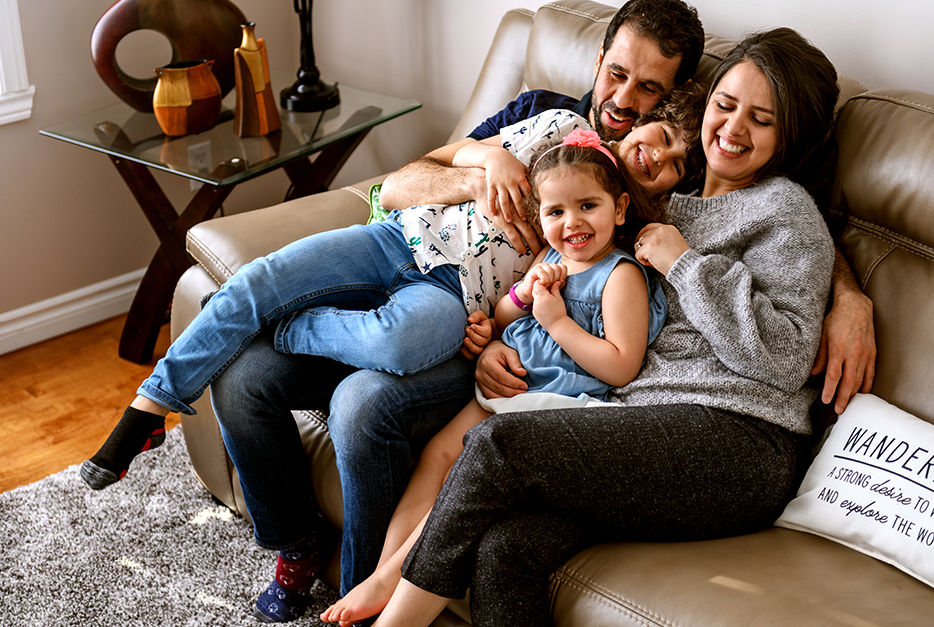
{"x":516,"y":300}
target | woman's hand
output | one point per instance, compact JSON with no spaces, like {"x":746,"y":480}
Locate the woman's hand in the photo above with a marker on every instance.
{"x":498,"y":372}
{"x":479,"y":332}
{"x":659,"y":246}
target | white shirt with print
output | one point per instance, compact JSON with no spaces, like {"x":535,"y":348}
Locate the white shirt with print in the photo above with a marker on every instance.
{"x":460,"y":235}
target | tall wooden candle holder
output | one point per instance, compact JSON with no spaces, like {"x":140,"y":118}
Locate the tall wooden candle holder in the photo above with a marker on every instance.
{"x":256,"y":113}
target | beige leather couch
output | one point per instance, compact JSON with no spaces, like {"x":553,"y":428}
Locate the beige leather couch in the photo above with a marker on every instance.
{"x":776,"y":577}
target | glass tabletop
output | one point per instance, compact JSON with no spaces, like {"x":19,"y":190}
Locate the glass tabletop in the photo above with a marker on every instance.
{"x":218,"y":156}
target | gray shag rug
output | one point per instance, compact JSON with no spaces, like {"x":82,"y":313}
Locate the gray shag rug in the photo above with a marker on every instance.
{"x":153,"y":549}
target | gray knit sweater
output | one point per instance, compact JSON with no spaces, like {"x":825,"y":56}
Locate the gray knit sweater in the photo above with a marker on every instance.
{"x":745,"y":306}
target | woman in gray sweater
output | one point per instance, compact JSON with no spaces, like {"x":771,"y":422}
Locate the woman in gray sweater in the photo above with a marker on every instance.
{"x":710,"y":439}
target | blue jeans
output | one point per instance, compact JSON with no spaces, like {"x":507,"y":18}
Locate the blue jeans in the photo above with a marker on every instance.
{"x":354,"y":295}
{"x":378,"y":423}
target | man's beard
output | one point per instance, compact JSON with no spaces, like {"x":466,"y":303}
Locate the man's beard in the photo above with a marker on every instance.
{"x":606,"y":133}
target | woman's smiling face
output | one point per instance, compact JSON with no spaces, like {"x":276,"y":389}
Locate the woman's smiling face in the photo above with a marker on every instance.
{"x":739,"y":133}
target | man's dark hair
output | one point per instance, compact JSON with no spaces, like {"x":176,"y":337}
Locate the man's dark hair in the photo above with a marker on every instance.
{"x":672,"y":24}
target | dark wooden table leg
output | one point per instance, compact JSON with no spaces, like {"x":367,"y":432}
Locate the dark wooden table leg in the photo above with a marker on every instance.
{"x":147,"y":313}
{"x":312,"y":177}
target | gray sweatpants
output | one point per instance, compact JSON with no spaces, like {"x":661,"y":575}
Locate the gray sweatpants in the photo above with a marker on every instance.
{"x":532,"y":489}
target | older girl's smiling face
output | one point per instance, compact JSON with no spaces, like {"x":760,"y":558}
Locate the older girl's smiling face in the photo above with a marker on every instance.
{"x":738,"y":132}
{"x":655,"y":155}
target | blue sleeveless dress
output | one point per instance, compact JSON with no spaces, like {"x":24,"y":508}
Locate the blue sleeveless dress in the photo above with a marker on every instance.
{"x":549,"y":368}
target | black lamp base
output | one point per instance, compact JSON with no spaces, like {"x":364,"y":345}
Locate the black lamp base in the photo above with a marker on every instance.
{"x":309,"y":93}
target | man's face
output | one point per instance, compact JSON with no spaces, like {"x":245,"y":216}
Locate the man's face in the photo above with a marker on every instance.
{"x":629,"y":79}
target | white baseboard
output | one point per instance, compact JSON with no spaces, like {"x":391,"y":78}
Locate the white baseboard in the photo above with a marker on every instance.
{"x":49,"y":318}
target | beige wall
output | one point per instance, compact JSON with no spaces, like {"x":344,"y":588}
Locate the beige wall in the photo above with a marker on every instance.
{"x":68,"y":222}
{"x":66,"y":219}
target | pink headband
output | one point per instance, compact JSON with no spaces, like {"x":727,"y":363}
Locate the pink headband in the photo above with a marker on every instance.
{"x":585,"y":138}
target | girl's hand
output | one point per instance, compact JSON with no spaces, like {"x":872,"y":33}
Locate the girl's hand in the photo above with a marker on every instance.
{"x":659,"y":246}
{"x":547,"y":274}
{"x":506,"y":184}
{"x":549,"y":305}
{"x":478,"y":334}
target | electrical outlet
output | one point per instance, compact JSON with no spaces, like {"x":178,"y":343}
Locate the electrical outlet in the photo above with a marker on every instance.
{"x":199,"y":158}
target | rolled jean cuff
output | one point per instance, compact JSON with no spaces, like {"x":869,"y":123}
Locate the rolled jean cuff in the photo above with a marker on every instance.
{"x":311,"y":540}
{"x":161,"y":398}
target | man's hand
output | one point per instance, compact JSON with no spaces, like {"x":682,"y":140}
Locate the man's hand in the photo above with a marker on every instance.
{"x":497,"y":370}
{"x":478,"y":335}
{"x":847,"y":350}
{"x":848,"y":342}
{"x":506,"y":183}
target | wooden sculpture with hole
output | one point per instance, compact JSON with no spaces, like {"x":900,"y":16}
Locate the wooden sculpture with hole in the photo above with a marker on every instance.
{"x":206,"y":29}
{"x":256,"y":114}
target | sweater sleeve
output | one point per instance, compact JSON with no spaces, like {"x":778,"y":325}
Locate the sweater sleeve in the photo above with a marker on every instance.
{"x":760,"y":299}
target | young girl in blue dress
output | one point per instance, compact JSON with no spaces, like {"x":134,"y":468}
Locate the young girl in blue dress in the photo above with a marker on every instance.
{"x":581,"y":320}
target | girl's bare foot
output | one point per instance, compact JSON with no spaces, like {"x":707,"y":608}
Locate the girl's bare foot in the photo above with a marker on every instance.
{"x":366,"y":600}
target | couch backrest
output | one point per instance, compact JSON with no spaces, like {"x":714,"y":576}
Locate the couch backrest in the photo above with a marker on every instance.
{"x":555,"y":48}
{"x":885,"y":181}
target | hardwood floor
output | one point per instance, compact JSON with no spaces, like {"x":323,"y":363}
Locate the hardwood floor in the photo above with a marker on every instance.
{"x":60,"y":399}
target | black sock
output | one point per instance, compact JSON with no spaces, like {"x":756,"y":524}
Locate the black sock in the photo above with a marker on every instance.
{"x":136,"y":432}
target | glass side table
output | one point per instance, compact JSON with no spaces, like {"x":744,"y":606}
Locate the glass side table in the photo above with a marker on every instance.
{"x":219,"y":160}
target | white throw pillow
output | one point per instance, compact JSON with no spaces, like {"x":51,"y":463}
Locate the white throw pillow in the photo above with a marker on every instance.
{"x":871,"y":487}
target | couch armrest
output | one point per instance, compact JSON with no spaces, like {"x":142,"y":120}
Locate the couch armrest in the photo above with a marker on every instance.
{"x":222,"y":246}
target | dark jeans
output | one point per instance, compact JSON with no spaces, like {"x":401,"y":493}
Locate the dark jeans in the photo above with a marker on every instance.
{"x":377,"y":422}
{"x":531,"y":490}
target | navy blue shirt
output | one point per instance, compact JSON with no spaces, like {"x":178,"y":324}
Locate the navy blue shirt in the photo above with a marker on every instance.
{"x":527,"y":105}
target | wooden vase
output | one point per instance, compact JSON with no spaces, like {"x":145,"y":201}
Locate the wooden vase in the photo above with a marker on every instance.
{"x":256,"y":113}
{"x":187,"y":98}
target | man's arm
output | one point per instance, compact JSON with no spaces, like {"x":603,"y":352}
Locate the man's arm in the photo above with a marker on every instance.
{"x":433,"y":180}
{"x":848,"y":343}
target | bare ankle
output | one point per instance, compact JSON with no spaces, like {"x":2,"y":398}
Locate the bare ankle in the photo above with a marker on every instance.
{"x":144,"y":404}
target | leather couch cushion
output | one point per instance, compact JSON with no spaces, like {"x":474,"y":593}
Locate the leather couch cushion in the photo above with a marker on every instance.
{"x":774,"y":578}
